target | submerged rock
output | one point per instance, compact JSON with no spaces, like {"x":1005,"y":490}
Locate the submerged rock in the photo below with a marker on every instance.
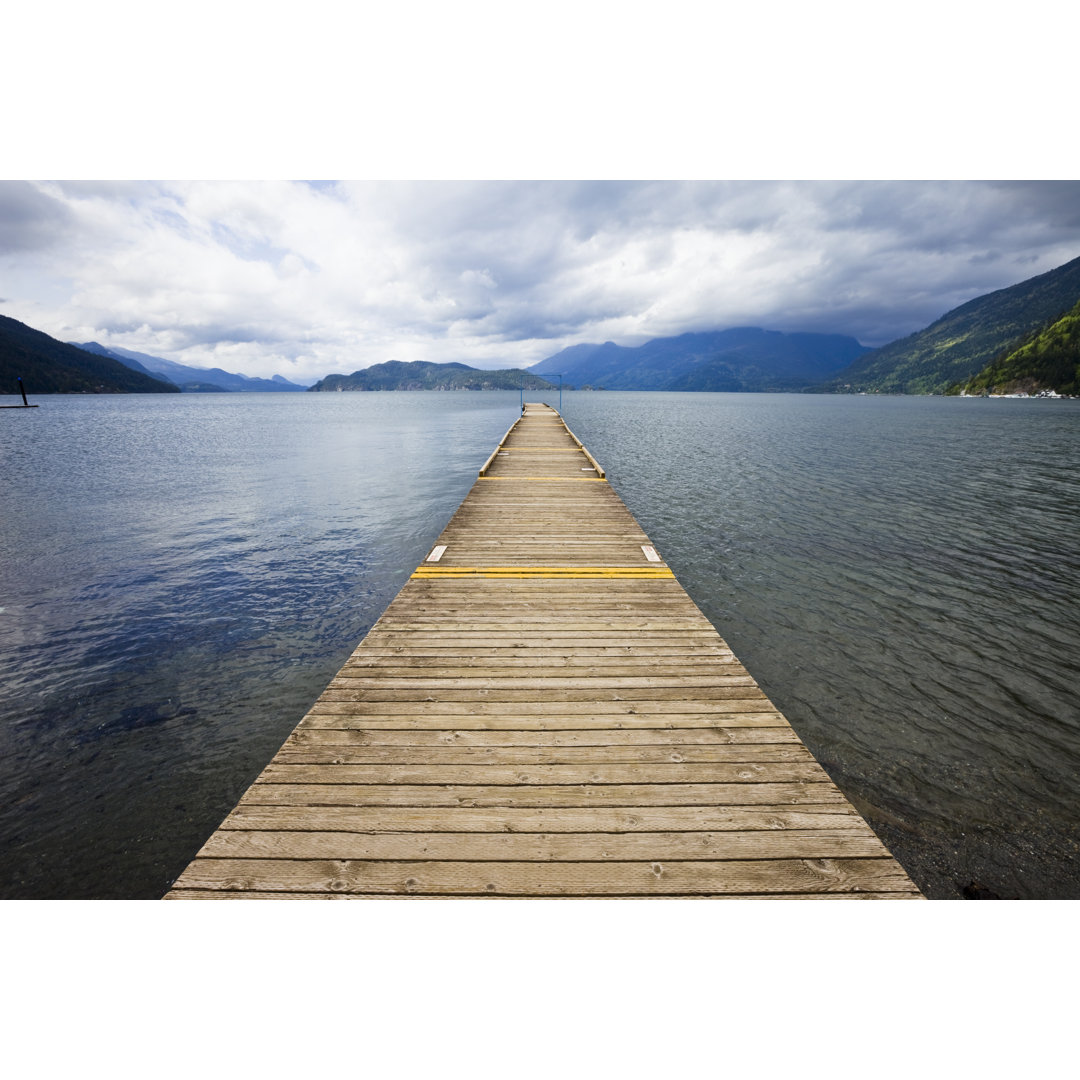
{"x":974,"y":891}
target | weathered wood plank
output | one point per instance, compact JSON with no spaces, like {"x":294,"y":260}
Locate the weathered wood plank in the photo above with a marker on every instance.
{"x":679,"y":794}
{"x":752,"y":772}
{"x":534,"y":703}
{"x":336,"y":754}
{"x":439,"y":650}
{"x":596,"y":739}
{"x":592,"y":684}
{"x":671,"y":878}
{"x":239,"y":894}
{"x":516,"y":819}
{"x":509,"y":662}
{"x":546,"y":847}
{"x":512,"y":638}
{"x":498,"y":717}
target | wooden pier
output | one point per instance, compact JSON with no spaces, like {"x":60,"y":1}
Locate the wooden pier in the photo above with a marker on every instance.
{"x":542,"y":711}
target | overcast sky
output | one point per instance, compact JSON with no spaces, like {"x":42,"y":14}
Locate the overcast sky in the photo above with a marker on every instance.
{"x":307,"y":279}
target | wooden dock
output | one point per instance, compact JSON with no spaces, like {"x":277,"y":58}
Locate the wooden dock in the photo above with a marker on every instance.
{"x":543,"y":711}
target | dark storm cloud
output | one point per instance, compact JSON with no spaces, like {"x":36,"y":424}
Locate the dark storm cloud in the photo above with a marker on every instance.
{"x":872,"y":259}
{"x":1056,"y":203}
{"x":30,"y":219}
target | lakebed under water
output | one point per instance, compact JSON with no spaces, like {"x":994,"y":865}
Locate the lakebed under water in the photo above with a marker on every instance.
{"x":181,"y":576}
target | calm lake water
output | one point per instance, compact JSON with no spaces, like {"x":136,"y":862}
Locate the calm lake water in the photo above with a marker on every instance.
{"x":181,"y":576}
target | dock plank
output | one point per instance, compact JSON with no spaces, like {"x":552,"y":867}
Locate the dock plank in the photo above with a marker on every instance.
{"x":334,"y":754}
{"x":544,"y":847}
{"x":548,"y":878}
{"x":654,"y":819}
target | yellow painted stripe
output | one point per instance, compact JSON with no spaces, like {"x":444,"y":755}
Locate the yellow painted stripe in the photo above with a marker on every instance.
{"x":542,"y":569}
{"x":629,"y":572}
{"x":552,"y":479}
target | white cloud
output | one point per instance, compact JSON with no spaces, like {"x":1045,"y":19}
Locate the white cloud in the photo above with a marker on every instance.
{"x":303,"y":280}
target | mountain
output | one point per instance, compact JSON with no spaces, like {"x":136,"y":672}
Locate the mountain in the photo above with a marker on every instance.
{"x":191,"y":379}
{"x":48,"y":366}
{"x":963,"y":341}
{"x":421,"y":375}
{"x":740,"y":359}
{"x":1048,"y":360}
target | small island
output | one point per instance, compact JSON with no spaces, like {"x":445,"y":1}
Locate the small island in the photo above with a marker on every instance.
{"x":421,"y":375}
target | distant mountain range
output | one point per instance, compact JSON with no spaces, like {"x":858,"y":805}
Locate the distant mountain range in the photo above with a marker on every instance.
{"x":48,"y":366}
{"x":421,"y":375}
{"x":965,"y":340}
{"x":741,"y":359}
{"x":191,"y":379}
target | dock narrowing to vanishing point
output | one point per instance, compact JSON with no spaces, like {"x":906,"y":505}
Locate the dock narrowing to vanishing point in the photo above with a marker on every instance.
{"x":543,"y":711}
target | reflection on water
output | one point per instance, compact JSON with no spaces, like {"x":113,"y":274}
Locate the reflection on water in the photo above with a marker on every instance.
{"x":181,"y":577}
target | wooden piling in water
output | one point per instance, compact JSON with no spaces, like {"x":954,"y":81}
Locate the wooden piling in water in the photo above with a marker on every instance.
{"x":543,"y":711}
{"x":25,"y":404}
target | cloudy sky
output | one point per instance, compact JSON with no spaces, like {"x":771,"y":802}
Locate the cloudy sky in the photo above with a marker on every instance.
{"x":306,"y":279}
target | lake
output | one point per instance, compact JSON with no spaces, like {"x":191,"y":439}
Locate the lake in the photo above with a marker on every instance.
{"x":180,"y":576}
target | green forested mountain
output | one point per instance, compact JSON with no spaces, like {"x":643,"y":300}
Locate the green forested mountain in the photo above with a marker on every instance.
{"x":421,"y":375}
{"x":1048,"y":360}
{"x":48,"y":366}
{"x":744,"y":358}
{"x":963,"y":341}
